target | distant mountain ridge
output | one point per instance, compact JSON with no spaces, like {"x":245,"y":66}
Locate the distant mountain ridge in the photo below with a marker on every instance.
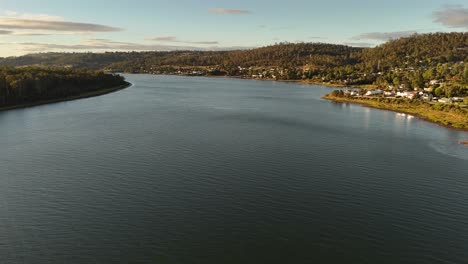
{"x":432,"y":48}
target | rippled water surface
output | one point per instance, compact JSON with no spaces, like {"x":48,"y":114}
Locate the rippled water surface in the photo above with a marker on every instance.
{"x":199,"y":170}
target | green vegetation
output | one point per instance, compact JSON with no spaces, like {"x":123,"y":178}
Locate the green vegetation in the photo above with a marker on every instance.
{"x":450,"y":115}
{"x":34,"y":85}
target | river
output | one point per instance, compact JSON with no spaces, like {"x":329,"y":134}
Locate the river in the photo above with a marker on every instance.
{"x":212,"y":170}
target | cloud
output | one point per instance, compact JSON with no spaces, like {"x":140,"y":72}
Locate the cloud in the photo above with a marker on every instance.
{"x":164,"y":39}
{"x":384,"y":36}
{"x":12,"y":33}
{"x":454,"y":16}
{"x":5,"y":32}
{"x":30,"y":34}
{"x":44,"y":17}
{"x":203,"y":42}
{"x":227,"y":11}
{"x":32,"y":24}
{"x":27,"y":21}
{"x":359,"y":44}
{"x":96,"y":44}
{"x":176,"y":40}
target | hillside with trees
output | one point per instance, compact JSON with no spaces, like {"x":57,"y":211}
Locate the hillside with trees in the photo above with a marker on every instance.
{"x":438,"y":60}
{"x":283,"y":54}
{"x":32,"y":85}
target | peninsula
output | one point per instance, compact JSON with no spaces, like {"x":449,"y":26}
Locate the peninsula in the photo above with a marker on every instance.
{"x":28,"y":86}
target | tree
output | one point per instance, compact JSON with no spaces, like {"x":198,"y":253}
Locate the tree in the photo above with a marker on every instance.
{"x":465,"y":75}
{"x":32,"y":84}
{"x":418,"y":81}
{"x":439,"y":92}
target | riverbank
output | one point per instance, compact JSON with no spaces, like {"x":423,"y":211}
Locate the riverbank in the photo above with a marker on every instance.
{"x":70,"y":98}
{"x":309,"y":82}
{"x":450,"y":118}
{"x":444,"y":115}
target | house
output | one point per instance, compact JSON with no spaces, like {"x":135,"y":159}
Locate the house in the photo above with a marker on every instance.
{"x":434,"y":82}
{"x":409,"y":94}
{"x":401,"y":94}
{"x":374,"y":92}
{"x":427,"y":96}
{"x":352,"y":91}
{"x":446,"y":100}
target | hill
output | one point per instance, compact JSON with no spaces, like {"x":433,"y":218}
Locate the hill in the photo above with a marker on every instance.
{"x":409,"y":62}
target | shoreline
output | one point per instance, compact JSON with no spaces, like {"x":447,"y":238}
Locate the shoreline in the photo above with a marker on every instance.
{"x":417,"y":115}
{"x":340,"y":100}
{"x":69,"y":98}
{"x":308,"y":82}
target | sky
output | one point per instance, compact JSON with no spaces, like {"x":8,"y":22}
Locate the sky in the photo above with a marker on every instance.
{"x":33,"y":26}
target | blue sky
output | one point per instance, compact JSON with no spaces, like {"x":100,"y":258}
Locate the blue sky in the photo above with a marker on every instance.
{"x":28,"y":26}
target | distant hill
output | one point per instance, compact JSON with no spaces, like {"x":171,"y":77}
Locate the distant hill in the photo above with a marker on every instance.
{"x":410,"y":61}
{"x":414,"y":50}
{"x":319,"y":54}
{"x":92,"y":61}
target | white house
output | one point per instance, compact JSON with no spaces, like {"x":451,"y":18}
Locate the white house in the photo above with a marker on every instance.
{"x":409,"y":95}
{"x":427,"y":97}
{"x":445,"y":100}
{"x":374,"y":92}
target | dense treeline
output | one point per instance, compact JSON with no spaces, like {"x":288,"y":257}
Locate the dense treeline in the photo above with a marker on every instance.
{"x":30,"y":85}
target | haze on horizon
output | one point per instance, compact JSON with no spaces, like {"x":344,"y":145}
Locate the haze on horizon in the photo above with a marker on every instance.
{"x":30,"y":26}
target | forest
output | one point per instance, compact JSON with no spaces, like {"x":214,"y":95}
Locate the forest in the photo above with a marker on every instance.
{"x":30,"y":85}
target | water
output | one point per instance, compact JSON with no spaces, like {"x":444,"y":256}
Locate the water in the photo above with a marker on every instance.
{"x":199,"y":170}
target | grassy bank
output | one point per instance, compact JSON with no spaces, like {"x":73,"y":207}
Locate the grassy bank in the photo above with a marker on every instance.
{"x":70,"y":98}
{"x":443,"y":114}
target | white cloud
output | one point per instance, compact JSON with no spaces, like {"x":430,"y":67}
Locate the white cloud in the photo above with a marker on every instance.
{"x":5,"y":32}
{"x":44,"y":17}
{"x":16,"y":21}
{"x":172,"y":39}
{"x":359,"y":44}
{"x":454,"y":16}
{"x":164,"y":39}
{"x":96,"y":44}
{"x":384,"y":36}
{"x":30,"y":24}
{"x":228,"y":11}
